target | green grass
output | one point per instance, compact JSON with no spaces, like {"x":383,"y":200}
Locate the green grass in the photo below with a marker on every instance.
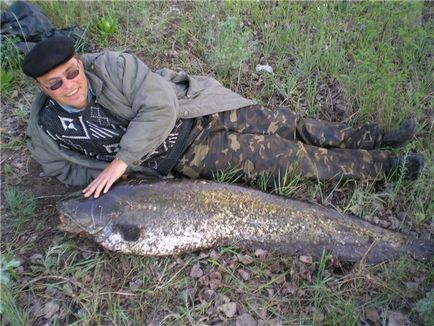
{"x":425,"y":308}
{"x":346,"y":61}
{"x":10,"y":64}
{"x":21,"y":206}
{"x":9,"y":309}
{"x":231,"y":45}
{"x":7,"y":80}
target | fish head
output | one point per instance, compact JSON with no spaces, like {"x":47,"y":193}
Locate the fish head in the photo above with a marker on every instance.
{"x":85,"y":215}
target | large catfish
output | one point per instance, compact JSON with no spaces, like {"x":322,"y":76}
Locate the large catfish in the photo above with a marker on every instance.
{"x":175,"y":217}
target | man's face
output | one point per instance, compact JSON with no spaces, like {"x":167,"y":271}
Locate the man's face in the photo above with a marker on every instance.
{"x":73,"y":88}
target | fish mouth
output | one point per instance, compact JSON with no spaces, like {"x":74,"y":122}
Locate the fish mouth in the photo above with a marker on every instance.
{"x":69,"y":224}
{"x":69,"y":227}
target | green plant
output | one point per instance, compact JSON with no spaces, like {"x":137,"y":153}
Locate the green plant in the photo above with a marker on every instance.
{"x":364,"y":199}
{"x":344,"y":313}
{"x":10,"y":55}
{"x":286,"y":184}
{"x":107,"y":26}
{"x":425,"y":308}
{"x":262,"y":181}
{"x":229,"y":176}
{"x":7,"y":80}
{"x":7,"y":269}
{"x":21,"y":206}
{"x":8,"y":306}
{"x":319,"y":288}
{"x":232,"y":47}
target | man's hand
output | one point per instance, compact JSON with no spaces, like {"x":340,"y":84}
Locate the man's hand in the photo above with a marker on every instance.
{"x":106,"y":178}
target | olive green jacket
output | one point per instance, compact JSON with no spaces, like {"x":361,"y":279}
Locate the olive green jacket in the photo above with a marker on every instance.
{"x":150,"y":101}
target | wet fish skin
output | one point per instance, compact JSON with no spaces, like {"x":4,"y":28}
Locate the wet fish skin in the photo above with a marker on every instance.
{"x":176,"y":217}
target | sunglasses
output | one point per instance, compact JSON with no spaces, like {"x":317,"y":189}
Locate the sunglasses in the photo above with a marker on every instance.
{"x":70,"y":75}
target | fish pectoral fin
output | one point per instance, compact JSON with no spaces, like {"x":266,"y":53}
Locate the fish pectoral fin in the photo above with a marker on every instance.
{"x":129,"y":232}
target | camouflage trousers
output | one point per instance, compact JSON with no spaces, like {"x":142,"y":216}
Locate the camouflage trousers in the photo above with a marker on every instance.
{"x":258,"y":140}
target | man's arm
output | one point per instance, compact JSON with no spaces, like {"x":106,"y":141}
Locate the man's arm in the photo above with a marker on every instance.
{"x":153,"y":102}
{"x":106,"y":178}
{"x":67,"y":166}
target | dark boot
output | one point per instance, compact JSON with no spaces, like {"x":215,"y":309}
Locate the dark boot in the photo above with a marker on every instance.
{"x":401,"y":135}
{"x":412,"y":164}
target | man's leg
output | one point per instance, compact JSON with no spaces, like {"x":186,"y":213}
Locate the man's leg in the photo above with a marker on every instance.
{"x":282,"y":121}
{"x":253,"y":155}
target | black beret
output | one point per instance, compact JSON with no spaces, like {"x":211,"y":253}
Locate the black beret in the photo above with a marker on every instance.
{"x":47,"y":55}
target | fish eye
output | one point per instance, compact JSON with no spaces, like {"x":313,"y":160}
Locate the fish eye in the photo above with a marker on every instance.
{"x":129,"y":232}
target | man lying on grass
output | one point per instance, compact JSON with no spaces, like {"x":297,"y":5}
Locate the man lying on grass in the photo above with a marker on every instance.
{"x":106,"y":115}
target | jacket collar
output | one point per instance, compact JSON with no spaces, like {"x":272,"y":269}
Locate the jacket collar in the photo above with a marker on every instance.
{"x":89,"y":68}
{"x":95,"y":83}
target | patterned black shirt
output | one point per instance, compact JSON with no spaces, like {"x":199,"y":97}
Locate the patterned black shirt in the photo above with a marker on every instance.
{"x":96,"y":132}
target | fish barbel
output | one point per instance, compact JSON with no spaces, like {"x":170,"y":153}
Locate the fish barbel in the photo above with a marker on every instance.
{"x":176,"y":217}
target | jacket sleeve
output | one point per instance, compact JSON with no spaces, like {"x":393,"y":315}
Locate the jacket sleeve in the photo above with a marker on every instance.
{"x":154,"y":105}
{"x":56,"y":166}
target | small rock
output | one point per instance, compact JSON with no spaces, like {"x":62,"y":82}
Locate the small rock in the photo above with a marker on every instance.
{"x":317,"y":317}
{"x":204,"y":280}
{"x":222,"y":299}
{"x":187,"y":295}
{"x":17,"y":164}
{"x":394,"y":222}
{"x":215,"y":274}
{"x":216,"y":321}
{"x":306,"y":259}
{"x":244,"y":274}
{"x":51,"y":291}
{"x":36,"y":258}
{"x":372,"y":315}
{"x":266,"y":68}
{"x":290,"y":288}
{"x":50,"y":309}
{"x":135,"y":284}
{"x":196,"y":271}
{"x":269,"y":322}
{"x":378,"y":206}
{"x":206,"y":295}
{"x":19,"y":270}
{"x":397,"y":319}
{"x":229,"y":309}
{"x":214,"y":255}
{"x":87,"y":255}
{"x":245,"y":259}
{"x":246,"y":320}
{"x":412,"y":285}
{"x":215,"y":283}
{"x":260,"y":252}
{"x":67,"y":289}
{"x":211,"y":312}
{"x":37,"y":309}
{"x":385,"y":224}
